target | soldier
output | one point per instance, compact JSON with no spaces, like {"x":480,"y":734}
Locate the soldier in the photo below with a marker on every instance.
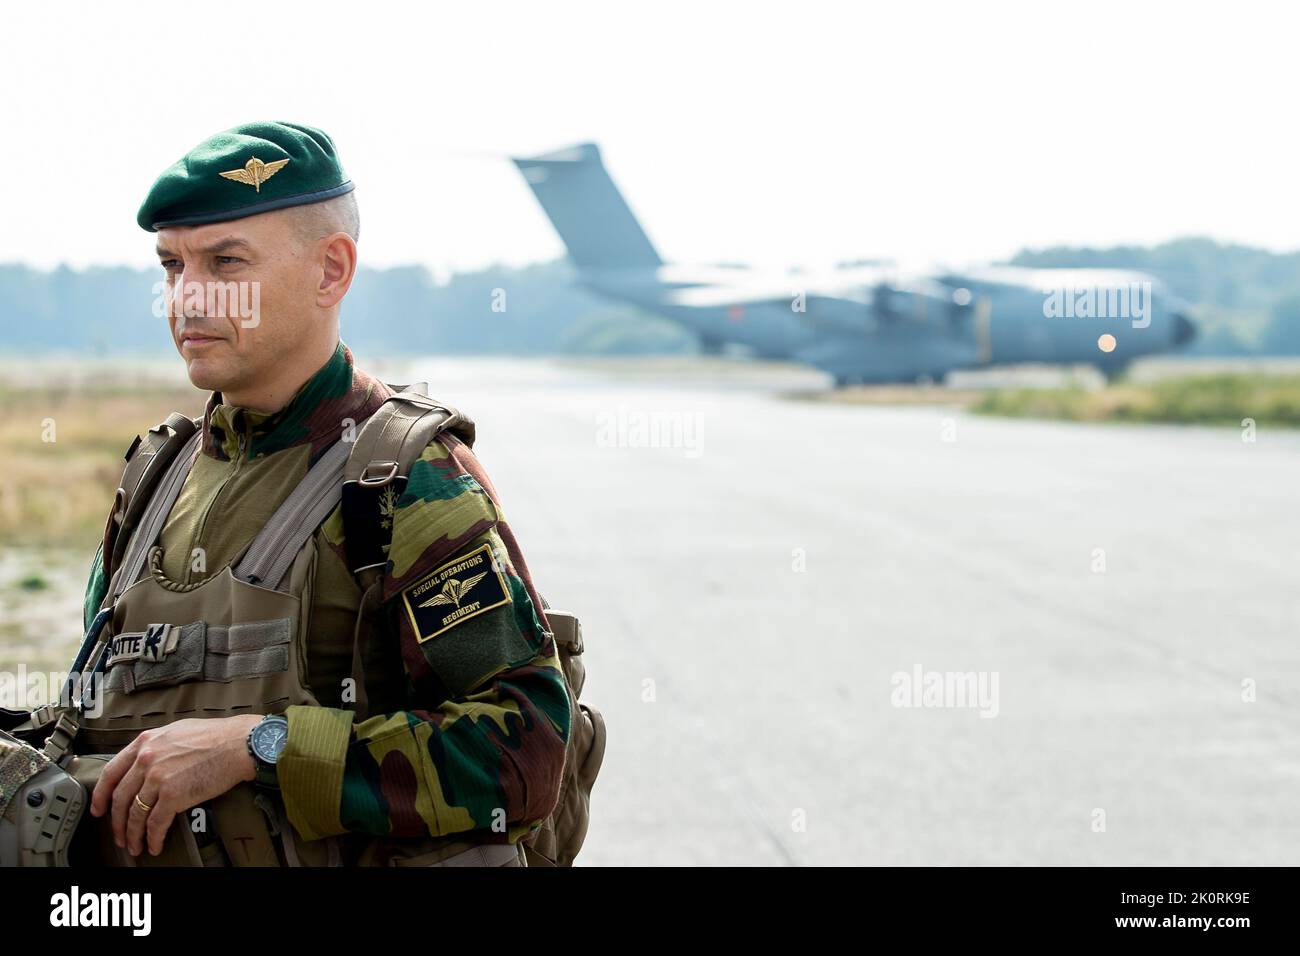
{"x":390,"y":692}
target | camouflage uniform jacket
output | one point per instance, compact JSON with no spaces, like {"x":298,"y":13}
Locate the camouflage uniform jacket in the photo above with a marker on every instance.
{"x":471,"y":735}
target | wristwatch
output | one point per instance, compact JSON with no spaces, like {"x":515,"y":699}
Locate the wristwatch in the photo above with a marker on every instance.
{"x":266,"y":742}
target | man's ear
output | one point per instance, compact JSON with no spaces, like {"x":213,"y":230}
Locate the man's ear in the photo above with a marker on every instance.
{"x":338,"y":268}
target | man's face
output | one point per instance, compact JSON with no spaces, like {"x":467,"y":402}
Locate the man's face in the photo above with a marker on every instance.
{"x":240,"y":296}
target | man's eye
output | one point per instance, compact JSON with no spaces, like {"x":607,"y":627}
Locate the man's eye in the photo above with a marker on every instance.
{"x":228,"y":260}
{"x":170,"y":264}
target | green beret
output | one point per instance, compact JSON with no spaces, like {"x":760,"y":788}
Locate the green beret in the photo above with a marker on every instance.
{"x":252,"y":168}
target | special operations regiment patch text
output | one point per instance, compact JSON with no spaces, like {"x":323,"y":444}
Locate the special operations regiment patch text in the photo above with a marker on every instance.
{"x":462,"y":588}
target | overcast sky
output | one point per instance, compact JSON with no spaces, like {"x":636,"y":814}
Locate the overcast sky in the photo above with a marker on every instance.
{"x":792,"y":134}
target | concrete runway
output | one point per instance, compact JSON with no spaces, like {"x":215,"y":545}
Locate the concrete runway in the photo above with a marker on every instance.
{"x":749,"y":703}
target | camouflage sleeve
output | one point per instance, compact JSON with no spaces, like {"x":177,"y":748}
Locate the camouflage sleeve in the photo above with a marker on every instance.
{"x":482,"y":746}
{"x":96,"y":588}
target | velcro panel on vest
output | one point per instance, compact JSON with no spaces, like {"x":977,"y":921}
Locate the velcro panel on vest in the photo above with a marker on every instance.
{"x":199,"y":651}
{"x":248,"y":649}
{"x":153,"y":644}
{"x":185,"y":662}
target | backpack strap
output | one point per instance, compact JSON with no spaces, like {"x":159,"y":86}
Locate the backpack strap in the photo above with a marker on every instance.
{"x":156,"y":505}
{"x":387,"y":445}
{"x":146,"y":460}
{"x":267,"y":558}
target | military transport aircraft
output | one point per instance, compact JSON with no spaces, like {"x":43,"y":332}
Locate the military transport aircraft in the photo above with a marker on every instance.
{"x":868,"y":323}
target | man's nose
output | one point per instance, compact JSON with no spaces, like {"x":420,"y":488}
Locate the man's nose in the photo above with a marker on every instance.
{"x":189,"y":299}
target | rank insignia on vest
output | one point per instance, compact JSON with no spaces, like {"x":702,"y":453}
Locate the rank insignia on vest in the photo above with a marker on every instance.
{"x":462,"y":588}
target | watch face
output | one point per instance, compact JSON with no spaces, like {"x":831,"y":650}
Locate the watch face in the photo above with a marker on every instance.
{"x":269,"y":738}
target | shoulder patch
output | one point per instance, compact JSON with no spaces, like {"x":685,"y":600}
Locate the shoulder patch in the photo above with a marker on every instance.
{"x":463,"y":588}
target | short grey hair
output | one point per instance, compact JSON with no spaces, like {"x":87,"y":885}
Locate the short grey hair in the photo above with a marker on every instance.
{"x":320,"y":219}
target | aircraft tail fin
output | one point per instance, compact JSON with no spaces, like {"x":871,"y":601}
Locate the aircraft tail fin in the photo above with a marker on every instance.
{"x":587,"y":210}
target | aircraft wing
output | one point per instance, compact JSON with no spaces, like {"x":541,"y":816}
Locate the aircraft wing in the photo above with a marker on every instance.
{"x":816,"y":309}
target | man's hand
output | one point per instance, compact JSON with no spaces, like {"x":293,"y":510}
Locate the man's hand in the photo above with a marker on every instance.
{"x":172,"y":769}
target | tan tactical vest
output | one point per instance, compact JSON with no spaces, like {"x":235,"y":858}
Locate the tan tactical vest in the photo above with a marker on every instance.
{"x":238,"y":642}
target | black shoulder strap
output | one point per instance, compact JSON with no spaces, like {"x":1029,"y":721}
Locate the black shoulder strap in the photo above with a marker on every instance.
{"x":388,"y":443}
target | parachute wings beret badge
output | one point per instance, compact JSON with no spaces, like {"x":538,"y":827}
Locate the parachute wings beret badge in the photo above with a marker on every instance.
{"x":255,"y":172}
{"x":287,"y":164}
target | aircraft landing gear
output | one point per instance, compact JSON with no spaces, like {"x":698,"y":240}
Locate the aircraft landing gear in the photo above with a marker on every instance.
{"x":1113,"y":373}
